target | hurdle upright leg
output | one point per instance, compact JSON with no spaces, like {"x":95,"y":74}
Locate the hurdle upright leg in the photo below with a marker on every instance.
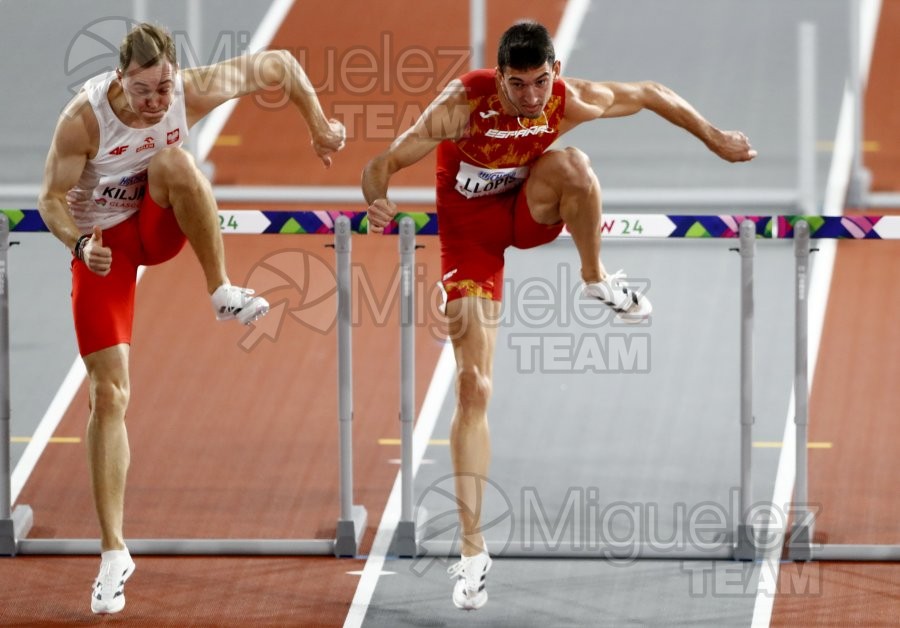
{"x":406,"y":537}
{"x":747,"y":539}
{"x":352,"y":522}
{"x":801,"y":532}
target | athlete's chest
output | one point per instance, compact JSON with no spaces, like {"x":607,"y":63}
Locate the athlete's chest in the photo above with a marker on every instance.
{"x":497,"y":139}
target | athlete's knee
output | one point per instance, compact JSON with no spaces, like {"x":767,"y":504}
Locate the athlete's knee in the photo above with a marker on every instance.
{"x":109,"y":399}
{"x":473,"y":389}
{"x":576,"y":169}
{"x":173,"y":167}
{"x":565,"y":171}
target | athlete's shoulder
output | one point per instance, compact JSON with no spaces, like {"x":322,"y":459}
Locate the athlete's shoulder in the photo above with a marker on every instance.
{"x":561,"y":85}
{"x":77,"y":129}
{"x":92,"y":93}
{"x":479,"y":80}
{"x":79,"y":112}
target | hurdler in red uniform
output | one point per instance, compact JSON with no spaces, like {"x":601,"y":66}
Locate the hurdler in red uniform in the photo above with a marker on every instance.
{"x":498,"y":185}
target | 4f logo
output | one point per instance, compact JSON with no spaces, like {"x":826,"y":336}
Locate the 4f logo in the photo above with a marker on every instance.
{"x":118,"y":150}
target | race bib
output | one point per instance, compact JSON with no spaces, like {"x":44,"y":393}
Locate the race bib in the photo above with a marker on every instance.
{"x":121,"y":192}
{"x":473,"y":181}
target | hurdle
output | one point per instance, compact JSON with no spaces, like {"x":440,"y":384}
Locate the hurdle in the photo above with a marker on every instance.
{"x":747,"y":539}
{"x":801,"y":546}
{"x":15,"y":525}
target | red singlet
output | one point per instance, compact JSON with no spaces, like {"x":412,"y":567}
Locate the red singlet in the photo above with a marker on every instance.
{"x":481,"y":202}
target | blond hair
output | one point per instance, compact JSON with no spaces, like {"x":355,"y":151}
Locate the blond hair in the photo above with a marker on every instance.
{"x":146,"y":45}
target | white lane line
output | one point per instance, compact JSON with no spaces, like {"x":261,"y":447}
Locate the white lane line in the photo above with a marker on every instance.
{"x":820,"y":284}
{"x":431,"y":409}
{"x":46,"y":427}
{"x":570,"y":24}
{"x":215,"y":121}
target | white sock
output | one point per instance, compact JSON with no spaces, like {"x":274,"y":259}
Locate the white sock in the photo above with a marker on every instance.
{"x":111,"y":555}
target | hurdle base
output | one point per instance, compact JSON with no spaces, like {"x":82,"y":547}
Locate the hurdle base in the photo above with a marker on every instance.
{"x":800,"y":542}
{"x":715,"y":550}
{"x":182,"y":547}
{"x":858,"y":553}
{"x":16,"y":527}
{"x":405,"y":543}
{"x":750,"y":542}
{"x":350,"y":532}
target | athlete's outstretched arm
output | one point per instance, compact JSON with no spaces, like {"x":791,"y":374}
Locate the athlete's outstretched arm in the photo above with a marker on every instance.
{"x":445,"y":118}
{"x":587,"y":100}
{"x":275,"y":70}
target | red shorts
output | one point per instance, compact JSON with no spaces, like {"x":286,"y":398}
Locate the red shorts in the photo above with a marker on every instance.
{"x":103,"y":307}
{"x":474,"y":235}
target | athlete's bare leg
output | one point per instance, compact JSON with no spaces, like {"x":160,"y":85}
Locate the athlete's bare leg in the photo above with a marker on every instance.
{"x":562,"y":186}
{"x":175,"y":181}
{"x":472,"y":325}
{"x":107,"y":439}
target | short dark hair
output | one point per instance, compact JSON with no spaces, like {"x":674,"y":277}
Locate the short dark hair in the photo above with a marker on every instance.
{"x":146,"y":45}
{"x":525,"y":45}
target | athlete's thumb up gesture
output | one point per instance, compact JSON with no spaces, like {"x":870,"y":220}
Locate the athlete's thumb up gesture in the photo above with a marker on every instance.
{"x":380,"y":214}
{"x":96,"y":256}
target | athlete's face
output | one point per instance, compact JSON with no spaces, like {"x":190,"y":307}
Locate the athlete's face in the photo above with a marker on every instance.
{"x":529,"y":90}
{"x":148,"y":91}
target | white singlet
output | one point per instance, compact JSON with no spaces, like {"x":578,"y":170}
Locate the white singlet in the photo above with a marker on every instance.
{"x":115,"y":180}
